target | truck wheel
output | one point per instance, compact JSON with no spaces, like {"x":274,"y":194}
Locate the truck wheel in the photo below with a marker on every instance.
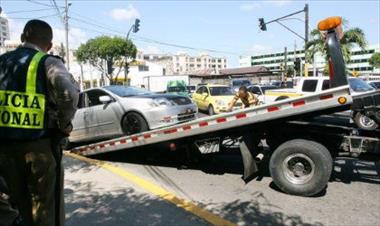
{"x":301,"y":167}
{"x":134,"y":123}
{"x":211,"y":110}
{"x":364,"y":122}
{"x":281,"y":98}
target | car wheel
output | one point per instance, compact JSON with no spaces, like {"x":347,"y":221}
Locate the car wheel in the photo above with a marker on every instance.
{"x":364,"y":122}
{"x":301,"y":167}
{"x":211,"y":110}
{"x":281,"y":98}
{"x":134,"y":123}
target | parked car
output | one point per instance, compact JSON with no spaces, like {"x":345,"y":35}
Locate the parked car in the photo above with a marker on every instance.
{"x":259,"y":90}
{"x":177,"y":87}
{"x":117,"y":110}
{"x":364,"y":117}
{"x":214,"y":98}
{"x":237,"y":83}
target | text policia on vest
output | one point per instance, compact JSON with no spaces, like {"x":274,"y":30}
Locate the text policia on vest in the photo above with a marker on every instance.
{"x":21,"y":110}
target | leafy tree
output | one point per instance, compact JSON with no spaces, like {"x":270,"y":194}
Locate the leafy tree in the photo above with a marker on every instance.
{"x":112,"y":50}
{"x":374,"y":61}
{"x":350,"y":38}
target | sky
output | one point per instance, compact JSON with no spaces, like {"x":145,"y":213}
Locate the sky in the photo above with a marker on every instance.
{"x":220,"y":28}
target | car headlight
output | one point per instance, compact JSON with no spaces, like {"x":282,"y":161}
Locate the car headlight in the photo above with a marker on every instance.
{"x":220,"y":102}
{"x":157,"y":102}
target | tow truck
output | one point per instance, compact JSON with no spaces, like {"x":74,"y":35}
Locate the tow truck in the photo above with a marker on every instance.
{"x":301,"y":149}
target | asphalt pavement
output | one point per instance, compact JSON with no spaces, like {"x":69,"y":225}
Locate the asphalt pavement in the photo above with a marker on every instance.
{"x":95,"y":196}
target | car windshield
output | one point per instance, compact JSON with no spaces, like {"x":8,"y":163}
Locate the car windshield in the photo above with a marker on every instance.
{"x":221,"y":91}
{"x":177,"y":89}
{"x":359,"y":85}
{"x":127,"y":91}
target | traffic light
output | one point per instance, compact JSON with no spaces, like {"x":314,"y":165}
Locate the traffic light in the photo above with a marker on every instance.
{"x":262,"y":24}
{"x":136,"y":26}
{"x":297,"y":64}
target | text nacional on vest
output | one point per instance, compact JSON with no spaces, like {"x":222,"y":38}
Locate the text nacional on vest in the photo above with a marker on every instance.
{"x":22,"y":110}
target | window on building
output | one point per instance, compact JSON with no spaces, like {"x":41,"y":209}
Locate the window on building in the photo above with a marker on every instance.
{"x":309,"y":85}
{"x":219,"y":60}
{"x":143,"y":68}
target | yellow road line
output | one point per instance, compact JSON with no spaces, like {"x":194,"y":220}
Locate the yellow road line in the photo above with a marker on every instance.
{"x":157,"y":190}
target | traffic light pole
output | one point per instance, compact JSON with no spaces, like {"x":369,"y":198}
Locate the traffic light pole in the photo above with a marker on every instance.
{"x":134,"y":28}
{"x":262,"y":25}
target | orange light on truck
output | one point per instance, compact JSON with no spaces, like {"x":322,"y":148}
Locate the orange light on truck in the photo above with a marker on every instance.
{"x":329,"y":23}
{"x":342,"y":100}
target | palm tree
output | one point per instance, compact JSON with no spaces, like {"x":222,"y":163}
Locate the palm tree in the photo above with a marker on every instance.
{"x":353,"y":36}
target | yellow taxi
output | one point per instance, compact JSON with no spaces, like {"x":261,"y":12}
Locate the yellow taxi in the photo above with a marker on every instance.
{"x":214,"y":98}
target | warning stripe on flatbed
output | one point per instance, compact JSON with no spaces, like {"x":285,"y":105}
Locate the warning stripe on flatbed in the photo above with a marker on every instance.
{"x":285,"y":108}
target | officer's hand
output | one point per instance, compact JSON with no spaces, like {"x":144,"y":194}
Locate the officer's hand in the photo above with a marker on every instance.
{"x":66,"y":131}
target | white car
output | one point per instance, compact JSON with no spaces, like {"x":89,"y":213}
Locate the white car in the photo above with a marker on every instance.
{"x":113,"y":111}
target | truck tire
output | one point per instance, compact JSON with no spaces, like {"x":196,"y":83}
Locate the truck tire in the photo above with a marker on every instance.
{"x":133,"y":123}
{"x":281,"y":98}
{"x":301,"y":167}
{"x":364,"y":122}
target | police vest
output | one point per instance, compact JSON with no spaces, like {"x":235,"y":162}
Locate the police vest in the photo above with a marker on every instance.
{"x":23,"y":95}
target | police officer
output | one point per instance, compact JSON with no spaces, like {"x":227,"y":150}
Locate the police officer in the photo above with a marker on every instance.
{"x":38,"y":99}
{"x":247,"y":98}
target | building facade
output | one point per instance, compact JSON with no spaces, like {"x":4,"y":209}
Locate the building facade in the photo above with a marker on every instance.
{"x":4,"y":30}
{"x":274,"y":61}
{"x":183,"y":63}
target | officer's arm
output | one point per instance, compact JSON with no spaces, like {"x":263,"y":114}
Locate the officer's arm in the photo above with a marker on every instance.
{"x":65,"y":90}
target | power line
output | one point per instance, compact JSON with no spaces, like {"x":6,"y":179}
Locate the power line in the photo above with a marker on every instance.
{"x":28,"y":11}
{"x":39,"y":3}
{"x":96,"y":25}
{"x":57,"y":9}
{"x":30,"y":18}
{"x":144,"y":39}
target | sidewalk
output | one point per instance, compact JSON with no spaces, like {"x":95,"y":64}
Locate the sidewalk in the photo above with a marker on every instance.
{"x":97,"y":197}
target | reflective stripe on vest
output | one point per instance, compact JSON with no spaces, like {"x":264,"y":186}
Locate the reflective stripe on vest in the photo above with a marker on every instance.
{"x":24,"y":110}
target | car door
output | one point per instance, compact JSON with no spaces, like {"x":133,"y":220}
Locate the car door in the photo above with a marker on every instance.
{"x":79,"y":121}
{"x":202,"y":98}
{"x":197,"y":96}
{"x":106,"y":115}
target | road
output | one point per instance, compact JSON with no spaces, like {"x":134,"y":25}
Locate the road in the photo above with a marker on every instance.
{"x":96,"y":196}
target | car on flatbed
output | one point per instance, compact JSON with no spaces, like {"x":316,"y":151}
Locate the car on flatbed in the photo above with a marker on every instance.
{"x":113,"y":111}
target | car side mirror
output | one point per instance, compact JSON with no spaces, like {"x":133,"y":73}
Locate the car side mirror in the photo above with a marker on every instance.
{"x":105,"y":99}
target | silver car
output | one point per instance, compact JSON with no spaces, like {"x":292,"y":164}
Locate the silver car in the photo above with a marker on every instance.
{"x":117,"y":110}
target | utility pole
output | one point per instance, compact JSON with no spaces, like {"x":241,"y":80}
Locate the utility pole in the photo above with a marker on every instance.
{"x":306,"y":9}
{"x":285,"y":64}
{"x":295,"y":58}
{"x":66,"y":19}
